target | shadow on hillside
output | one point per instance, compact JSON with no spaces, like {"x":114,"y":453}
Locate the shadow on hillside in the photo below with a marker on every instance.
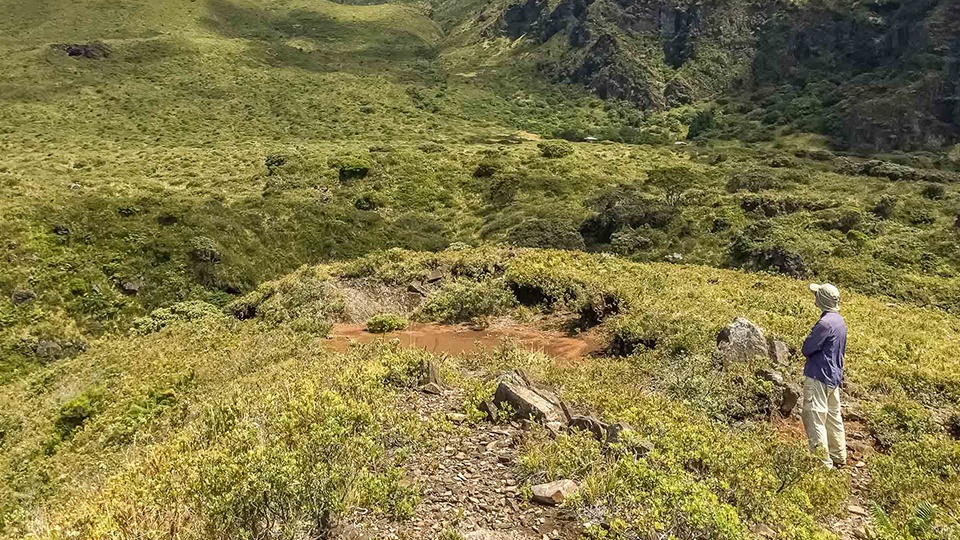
{"x":316,"y":42}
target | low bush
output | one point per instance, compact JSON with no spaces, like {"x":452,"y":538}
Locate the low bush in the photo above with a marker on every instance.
{"x":487,"y":167}
{"x":282,"y":465}
{"x":758,"y":248}
{"x":840,"y":219}
{"x":385,"y":322}
{"x":555,"y":149}
{"x":934,"y":192}
{"x":899,"y":420}
{"x":466,"y":300}
{"x":75,"y":413}
{"x":158,"y":319}
{"x":650,"y":331}
{"x":755,"y":181}
{"x":885,"y":207}
{"x":773,"y":205}
{"x":305,"y":299}
{"x":919,"y":473}
{"x":920,"y":214}
{"x":545,"y":233}
{"x":624,"y":207}
{"x":351,"y":168}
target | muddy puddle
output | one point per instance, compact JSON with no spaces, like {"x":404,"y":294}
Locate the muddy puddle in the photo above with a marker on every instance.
{"x":455,"y":340}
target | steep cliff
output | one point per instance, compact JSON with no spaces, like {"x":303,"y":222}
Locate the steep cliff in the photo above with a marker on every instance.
{"x":874,"y":75}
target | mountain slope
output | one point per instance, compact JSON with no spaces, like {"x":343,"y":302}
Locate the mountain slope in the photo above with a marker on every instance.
{"x":209,"y":426}
{"x":873,"y":76}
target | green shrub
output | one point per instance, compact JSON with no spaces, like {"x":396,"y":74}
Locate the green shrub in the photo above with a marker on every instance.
{"x":204,"y":250}
{"x":755,"y":180}
{"x":545,"y":233}
{"x":920,"y":472}
{"x":501,"y":190}
{"x":920,"y":214}
{"x":386,"y":322}
{"x":158,"y":319}
{"x":467,"y":300}
{"x":273,"y":162}
{"x":555,"y":149}
{"x":624,"y":207}
{"x":934,"y":192}
{"x":487,"y":167}
{"x":569,"y":455}
{"x":288,"y":464}
{"x":74,"y":413}
{"x":899,"y":420}
{"x":775,"y":205}
{"x":674,"y":183}
{"x":885,"y":207}
{"x":758,"y":248}
{"x":305,"y":299}
{"x":352,"y":168}
{"x":841,"y":219}
{"x":650,"y":331}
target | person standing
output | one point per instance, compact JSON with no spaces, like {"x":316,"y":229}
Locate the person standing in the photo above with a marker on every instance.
{"x":823,"y":375}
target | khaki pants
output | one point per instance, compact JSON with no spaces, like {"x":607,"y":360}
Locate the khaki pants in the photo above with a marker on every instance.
{"x":823,"y":423}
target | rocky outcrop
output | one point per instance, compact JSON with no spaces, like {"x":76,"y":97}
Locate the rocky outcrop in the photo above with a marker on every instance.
{"x":517,"y":394}
{"x":742,"y":341}
{"x":840,"y":68}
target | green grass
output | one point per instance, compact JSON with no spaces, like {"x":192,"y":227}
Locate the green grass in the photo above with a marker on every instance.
{"x":156,"y":410}
{"x":150,"y":165}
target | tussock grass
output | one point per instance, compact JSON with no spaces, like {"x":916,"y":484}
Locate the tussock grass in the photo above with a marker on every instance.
{"x":158,"y":409}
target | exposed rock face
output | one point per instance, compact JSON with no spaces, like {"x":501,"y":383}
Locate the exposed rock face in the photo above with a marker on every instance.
{"x":845,"y":62}
{"x":742,"y":340}
{"x":130,"y":287}
{"x":527,"y":401}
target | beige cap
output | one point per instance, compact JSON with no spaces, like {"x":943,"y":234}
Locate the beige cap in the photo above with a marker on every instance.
{"x":827,"y":296}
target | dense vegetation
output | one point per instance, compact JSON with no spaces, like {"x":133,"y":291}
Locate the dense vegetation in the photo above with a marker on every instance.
{"x":134,"y":435}
{"x":161,"y":162}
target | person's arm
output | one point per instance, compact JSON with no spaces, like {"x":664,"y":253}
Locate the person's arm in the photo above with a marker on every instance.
{"x":815,"y":340}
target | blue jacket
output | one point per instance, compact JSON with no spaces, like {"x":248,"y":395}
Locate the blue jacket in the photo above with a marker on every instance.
{"x":824,"y":349}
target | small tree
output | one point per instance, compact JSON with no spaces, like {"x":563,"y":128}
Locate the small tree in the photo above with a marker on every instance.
{"x":673,"y":182}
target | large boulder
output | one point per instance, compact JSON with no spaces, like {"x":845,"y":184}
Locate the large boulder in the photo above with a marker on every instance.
{"x":555,"y":492}
{"x":527,"y":401}
{"x":742,"y":341}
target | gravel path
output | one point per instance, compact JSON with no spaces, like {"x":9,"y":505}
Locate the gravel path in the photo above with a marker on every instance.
{"x":469,"y":485}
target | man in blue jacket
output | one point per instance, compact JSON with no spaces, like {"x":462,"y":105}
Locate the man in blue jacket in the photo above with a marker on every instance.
{"x":823,"y":375}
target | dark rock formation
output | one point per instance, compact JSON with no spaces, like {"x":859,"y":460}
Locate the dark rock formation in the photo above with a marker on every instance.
{"x":877,"y":75}
{"x":22,"y":296}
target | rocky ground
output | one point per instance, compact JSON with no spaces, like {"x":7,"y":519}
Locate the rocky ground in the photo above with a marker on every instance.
{"x":468,"y":486}
{"x":469,"y":483}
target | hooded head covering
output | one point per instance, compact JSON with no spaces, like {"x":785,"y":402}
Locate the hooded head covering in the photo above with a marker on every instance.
{"x":826,"y":296}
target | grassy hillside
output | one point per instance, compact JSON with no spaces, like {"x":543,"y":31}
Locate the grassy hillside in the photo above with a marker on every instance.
{"x":192,"y":151}
{"x":188,"y":430}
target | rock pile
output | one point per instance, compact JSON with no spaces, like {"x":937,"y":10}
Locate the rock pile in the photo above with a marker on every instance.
{"x":743,"y":341}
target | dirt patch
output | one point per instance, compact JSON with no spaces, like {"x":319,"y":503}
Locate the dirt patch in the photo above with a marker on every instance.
{"x":454,"y":340}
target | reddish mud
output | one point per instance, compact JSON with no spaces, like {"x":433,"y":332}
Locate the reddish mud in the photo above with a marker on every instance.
{"x":455,"y":340}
